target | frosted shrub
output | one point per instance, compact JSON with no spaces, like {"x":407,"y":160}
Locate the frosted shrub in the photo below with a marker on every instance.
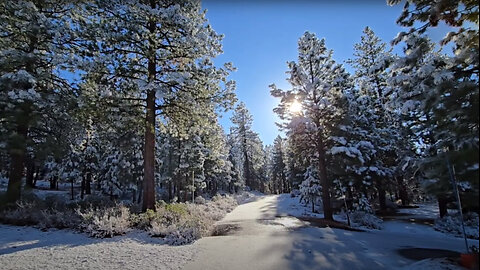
{"x":158,"y":229}
{"x":106,"y":223}
{"x":144,"y":220}
{"x":364,"y":219}
{"x":25,"y":213}
{"x":363,"y":205}
{"x":183,"y":223}
{"x":182,"y":236}
{"x":217,"y":197}
{"x":226,"y":204}
{"x":58,"y":219}
{"x":452,"y":224}
{"x":173,"y":213}
{"x":200,"y":200}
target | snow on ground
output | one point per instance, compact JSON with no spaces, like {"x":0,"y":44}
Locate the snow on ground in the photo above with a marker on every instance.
{"x":248,"y":196}
{"x":433,"y":264}
{"x":29,"y":248}
{"x":264,"y":234}
{"x":424,"y":210}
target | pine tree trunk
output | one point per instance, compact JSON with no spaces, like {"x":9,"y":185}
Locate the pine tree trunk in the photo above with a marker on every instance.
{"x":88,"y":184}
{"x":30,"y":173}
{"x":140,"y":191}
{"x":17,"y":157}
{"x":53,"y":182}
{"x":170,"y":172}
{"x":402,"y":192}
{"x":37,"y":176}
{"x":322,"y":171}
{"x":281,"y":185}
{"x":247,"y":166}
{"x":442,"y":205}
{"x":381,"y":196}
{"x":82,"y":187}
{"x":149,"y":151}
{"x":71,"y":186}
{"x":149,"y":154}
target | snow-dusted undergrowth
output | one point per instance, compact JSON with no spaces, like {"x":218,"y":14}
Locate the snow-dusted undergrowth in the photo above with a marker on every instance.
{"x":105,"y":222}
{"x":184,"y":223}
{"x":452,"y":224}
{"x":176,"y":223}
{"x":365,"y":220}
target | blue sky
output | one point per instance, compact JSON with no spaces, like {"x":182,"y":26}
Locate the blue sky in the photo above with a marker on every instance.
{"x":261,"y":37}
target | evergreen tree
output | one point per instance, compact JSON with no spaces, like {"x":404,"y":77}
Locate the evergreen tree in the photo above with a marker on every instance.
{"x":278,"y":168}
{"x":310,"y":188}
{"x":452,"y":110}
{"x":34,"y":48}
{"x":156,"y":55}
{"x":247,"y":149}
{"x":319,"y":85}
{"x":376,"y":129}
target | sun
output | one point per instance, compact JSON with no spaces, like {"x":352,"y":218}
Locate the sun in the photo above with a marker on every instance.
{"x":295,"y":107}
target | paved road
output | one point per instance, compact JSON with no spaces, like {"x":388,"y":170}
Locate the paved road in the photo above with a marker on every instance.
{"x":260,"y":239}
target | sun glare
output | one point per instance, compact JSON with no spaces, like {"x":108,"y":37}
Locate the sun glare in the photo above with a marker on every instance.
{"x":295,"y":107}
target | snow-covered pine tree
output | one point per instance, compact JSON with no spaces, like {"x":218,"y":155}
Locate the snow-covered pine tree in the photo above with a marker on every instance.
{"x":319,"y":85}
{"x":34,"y":48}
{"x":429,"y":96}
{"x":217,"y":167}
{"x":278,"y":168}
{"x":375,"y":129}
{"x":455,"y":109}
{"x":247,"y":148}
{"x":311,"y":188}
{"x":157,"y":54}
{"x":296,"y":161}
{"x":192,"y":159}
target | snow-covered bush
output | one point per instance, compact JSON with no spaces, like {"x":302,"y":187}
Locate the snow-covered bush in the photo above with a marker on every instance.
{"x":217,"y":197}
{"x":184,"y":230}
{"x":36,"y":212}
{"x":58,"y":219}
{"x":363,"y":205}
{"x":366,"y":220}
{"x":144,"y":220}
{"x":182,"y":236}
{"x":310,"y":188}
{"x":159,"y":229}
{"x":452,"y":224}
{"x":25,"y":213}
{"x":95,"y":201}
{"x":178,"y":223}
{"x":183,"y":223}
{"x":200,"y":200}
{"x":106,"y":222}
{"x":225,"y":203}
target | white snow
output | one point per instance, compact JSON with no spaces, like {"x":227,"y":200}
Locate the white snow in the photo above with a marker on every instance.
{"x":267,"y":236}
{"x":29,"y":248}
{"x":433,"y":264}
